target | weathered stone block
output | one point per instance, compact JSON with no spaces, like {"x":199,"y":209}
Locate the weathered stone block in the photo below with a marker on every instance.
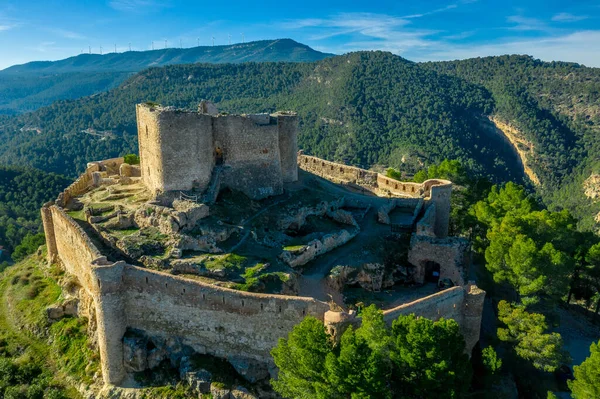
{"x":128,"y":170}
{"x":251,"y":370}
{"x":219,"y":392}
{"x":134,"y":354}
{"x":54,"y":312}
{"x":242,"y":393}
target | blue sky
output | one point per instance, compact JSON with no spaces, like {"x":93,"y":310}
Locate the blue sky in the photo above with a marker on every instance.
{"x":417,"y":30}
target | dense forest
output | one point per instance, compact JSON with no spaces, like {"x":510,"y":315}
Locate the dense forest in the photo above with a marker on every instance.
{"x":556,"y":106}
{"x":22,"y":193}
{"x":362,"y":108}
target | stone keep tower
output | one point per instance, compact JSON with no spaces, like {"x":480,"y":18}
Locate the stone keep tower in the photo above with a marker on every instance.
{"x":185,"y":150}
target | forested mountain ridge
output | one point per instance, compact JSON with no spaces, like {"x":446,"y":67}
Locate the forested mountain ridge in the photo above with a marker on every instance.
{"x":32,"y":85}
{"x":364,"y":108}
{"x":555,"y":106}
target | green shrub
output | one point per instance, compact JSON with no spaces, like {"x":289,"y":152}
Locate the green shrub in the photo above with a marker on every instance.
{"x":131,"y":159}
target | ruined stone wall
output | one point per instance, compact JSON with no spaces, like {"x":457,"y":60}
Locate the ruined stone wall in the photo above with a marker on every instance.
{"x":439,"y":193}
{"x":250,"y":155}
{"x":76,"y":250}
{"x":375,"y":182}
{"x":287,"y":124}
{"x":462,"y":304}
{"x":426,"y":225}
{"x":337,"y":172}
{"x":48,"y":223}
{"x":78,"y":187}
{"x":100,"y":279}
{"x":214,"y":320}
{"x":396,"y":187}
{"x":451,"y":253}
{"x":447,"y":304}
{"x":176,"y":148}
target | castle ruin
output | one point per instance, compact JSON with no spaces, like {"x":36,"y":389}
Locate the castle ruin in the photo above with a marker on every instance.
{"x":202,"y":152}
{"x":185,"y":151}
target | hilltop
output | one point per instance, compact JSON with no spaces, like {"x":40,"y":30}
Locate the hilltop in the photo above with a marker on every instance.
{"x":28,"y":86}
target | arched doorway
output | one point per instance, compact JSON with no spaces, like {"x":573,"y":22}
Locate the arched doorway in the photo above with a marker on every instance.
{"x":432,"y":272}
{"x":218,"y":156}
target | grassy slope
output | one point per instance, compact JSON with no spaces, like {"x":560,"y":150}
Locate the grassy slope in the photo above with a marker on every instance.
{"x":25,"y":292}
{"x":60,"y":351}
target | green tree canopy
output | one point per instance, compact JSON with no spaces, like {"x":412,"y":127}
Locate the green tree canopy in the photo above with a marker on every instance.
{"x":502,"y":200}
{"x":587,"y":376}
{"x":533,"y":252}
{"x":527,"y":332}
{"x":417,"y":357}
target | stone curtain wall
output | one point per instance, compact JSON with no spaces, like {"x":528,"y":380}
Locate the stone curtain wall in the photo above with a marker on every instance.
{"x":214,"y":320}
{"x":336,"y":172}
{"x":211,"y":319}
{"x":435,"y":191}
{"x":399,"y":188}
{"x":97,"y":277}
{"x":463,"y":304}
{"x":447,"y":304}
{"x":75,"y":249}
{"x":376,"y":182}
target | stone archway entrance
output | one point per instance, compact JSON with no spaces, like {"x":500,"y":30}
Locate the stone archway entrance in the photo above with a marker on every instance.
{"x":432,"y":271}
{"x":218,"y":156}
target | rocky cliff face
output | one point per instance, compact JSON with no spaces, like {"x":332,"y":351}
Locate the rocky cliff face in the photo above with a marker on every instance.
{"x":591,"y":187}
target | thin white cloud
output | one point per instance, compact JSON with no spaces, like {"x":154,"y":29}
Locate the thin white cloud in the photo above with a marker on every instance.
{"x":6,"y":27}
{"x":67,"y":34}
{"x":522,"y":23}
{"x":137,"y":6}
{"x":566,"y":17}
{"x":442,"y":9}
{"x":582,"y":47}
{"x":459,"y":36}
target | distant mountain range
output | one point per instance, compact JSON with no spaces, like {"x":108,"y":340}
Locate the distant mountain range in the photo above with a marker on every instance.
{"x":29,"y":86}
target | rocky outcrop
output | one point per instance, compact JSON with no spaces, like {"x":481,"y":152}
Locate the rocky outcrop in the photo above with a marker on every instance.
{"x":342,"y":216}
{"x":69,"y":307}
{"x":203,"y":243}
{"x":370,"y":277}
{"x":522,"y":146}
{"x":251,"y":370}
{"x":317,"y":247}
{"x":182,"y":217}
{"x":591,"y":187}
